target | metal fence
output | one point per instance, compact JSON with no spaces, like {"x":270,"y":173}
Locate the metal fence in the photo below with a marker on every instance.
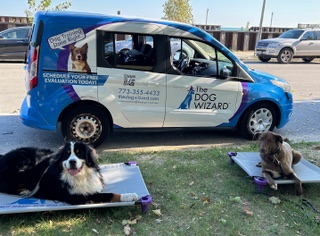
{"x":241,"y":40}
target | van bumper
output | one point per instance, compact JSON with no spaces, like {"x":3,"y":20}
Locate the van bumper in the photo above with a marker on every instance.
{"x":286,"y":109}
{"x":30,"y":116}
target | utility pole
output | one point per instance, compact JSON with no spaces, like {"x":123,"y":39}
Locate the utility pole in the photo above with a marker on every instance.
{"x":271,"y":19}
{"x":261,"y":21}
{"x":207,"y":16}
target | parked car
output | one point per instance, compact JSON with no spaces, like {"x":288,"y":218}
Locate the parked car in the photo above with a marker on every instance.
{"x":173,"y":75}
{"x":14,"y":42}
{"x":296,"y":43}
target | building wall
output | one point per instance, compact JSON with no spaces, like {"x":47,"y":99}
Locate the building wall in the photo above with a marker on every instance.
{"x":241,"y":40}
{"x":12,"y":21}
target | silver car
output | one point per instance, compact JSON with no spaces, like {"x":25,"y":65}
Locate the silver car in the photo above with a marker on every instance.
{"x":296,"y":43}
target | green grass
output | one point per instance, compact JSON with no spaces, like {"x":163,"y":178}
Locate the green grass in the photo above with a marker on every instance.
{"x":197,"y":192}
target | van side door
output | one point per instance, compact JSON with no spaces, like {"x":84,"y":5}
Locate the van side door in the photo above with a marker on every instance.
{"x":133,"y":92}
{"x":203,"y":92}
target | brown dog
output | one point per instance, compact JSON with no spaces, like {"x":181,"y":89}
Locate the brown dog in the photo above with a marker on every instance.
{"x":277,"y":159}
{"x":79,"y":58}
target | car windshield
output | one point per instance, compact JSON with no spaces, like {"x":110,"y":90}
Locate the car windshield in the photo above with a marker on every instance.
{"x":291,"y":34}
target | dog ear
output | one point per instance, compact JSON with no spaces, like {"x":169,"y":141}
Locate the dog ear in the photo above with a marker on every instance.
{"x":91,"y":156}
{"x":85,"y":46}
{"x":279,"y":138}
{"x":71,"y":47}
{"x":60,"y":153}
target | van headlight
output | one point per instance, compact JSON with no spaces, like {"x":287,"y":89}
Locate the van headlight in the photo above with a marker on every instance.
{"x":285,"y":86}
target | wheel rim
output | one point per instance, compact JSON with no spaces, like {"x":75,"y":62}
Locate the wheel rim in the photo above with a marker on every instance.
{"x":260,"y":121}
{"x":86,"y":128}
{"x":286,"y":56}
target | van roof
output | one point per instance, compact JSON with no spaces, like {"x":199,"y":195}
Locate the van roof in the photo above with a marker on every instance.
{"x":170,"y":28}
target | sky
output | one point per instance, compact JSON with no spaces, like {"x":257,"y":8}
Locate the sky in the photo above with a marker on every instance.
{"x":227,"y":13}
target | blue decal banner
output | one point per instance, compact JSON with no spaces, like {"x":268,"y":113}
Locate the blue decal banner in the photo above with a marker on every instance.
{"x":53,"y":77}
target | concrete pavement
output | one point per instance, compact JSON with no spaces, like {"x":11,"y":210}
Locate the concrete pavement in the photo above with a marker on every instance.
{"x":246,"y":55}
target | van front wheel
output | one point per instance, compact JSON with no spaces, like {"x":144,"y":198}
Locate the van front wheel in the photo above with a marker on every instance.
{"x":258,"y":118}
{"x":85,"y":124}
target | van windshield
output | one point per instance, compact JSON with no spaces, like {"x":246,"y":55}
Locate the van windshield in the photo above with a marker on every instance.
{"x":291,"y":34}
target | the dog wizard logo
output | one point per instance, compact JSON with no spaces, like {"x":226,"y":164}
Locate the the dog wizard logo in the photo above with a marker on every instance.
{"x":187,"y":101}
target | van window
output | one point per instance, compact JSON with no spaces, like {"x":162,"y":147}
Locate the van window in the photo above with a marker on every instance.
{"x":195,"y":58}
{"x":126,"y":51}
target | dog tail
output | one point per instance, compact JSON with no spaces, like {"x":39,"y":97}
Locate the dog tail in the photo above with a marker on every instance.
{"x":296,"y":157}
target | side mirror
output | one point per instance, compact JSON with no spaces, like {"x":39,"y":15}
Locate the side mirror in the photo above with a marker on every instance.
{"x":224,"y":73}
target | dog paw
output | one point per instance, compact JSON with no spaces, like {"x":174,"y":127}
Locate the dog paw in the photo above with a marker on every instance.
{"x":25,"y":193}
{"x":274,"y":186}
{"x":129,"y":197}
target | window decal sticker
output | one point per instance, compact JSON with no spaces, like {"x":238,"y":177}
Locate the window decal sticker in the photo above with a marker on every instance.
{"x":66,"y":38}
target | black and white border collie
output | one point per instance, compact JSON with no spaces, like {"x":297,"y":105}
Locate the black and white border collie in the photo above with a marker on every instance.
{"x":70,"y":175}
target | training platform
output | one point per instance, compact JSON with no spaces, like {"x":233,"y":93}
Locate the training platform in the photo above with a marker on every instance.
{"x":306,"y":171}
{"x":119,"y":178}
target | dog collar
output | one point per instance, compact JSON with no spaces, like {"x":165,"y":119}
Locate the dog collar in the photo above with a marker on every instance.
{"x":276,"y":161}
{"x":274,"y":155}
{"x":276,"y":152}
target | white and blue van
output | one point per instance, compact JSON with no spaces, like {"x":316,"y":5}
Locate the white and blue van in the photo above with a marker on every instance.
{"x":94,"y":73}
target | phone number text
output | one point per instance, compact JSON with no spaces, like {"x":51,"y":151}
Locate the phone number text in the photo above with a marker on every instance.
{"x":139,"y":92}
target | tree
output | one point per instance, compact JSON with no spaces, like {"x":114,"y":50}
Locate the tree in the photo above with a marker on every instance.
{"x":178,"y":10}
{"x":43,"y":5}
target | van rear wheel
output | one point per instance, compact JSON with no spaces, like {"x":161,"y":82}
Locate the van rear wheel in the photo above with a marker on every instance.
{"x":85,"y":124}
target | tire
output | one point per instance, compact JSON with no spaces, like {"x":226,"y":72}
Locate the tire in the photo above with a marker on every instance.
{"x":258,"y":118}
{"x":264,"y":59}
{"x":85,"y":124}
{"x":307,"y":59}
{"x":285,"y":56}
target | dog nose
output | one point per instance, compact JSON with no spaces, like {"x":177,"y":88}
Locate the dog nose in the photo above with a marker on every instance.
{"x":72,"y":163}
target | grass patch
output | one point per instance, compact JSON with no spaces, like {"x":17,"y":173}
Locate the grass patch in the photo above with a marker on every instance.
{"x":197,"y":193}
